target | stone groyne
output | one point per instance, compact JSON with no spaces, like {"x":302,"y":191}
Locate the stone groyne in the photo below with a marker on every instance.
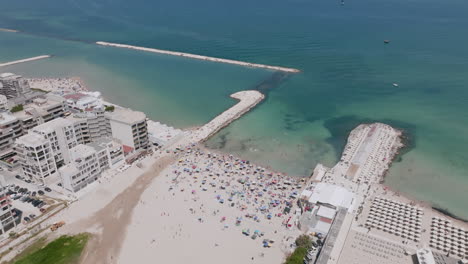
{"x":247,"y":101}
{"x":200,"y":57}
{"x":25,"y":60}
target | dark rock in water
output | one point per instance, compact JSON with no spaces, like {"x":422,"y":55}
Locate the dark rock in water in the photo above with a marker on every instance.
{"x":275,"y":79}
{"x":448,"y":213}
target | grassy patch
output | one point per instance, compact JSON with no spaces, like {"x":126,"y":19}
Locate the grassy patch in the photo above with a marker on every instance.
{"x":39,"y":90}
{"x":297,"y":257}
{"x":17,"y":108}
{"x":63,"y":250}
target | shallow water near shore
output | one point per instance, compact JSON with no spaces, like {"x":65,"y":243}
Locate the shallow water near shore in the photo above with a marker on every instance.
{"x":347,"y":75}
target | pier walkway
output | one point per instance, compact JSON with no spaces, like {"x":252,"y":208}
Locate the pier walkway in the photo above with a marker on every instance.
{"x":24,"y":60}
{"x":247,"y":100}
{"x":200,"y":57}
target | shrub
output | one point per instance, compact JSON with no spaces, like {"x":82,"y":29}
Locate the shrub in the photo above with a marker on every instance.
{"x":17,"y":108}
{"x":109,"y":108}
{"x":297,"y":257}
{"x":304,"y":241}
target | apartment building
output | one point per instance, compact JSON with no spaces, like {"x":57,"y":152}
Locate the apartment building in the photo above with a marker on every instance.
{"x":8,"y":219}
{"x":83,"y":169}
{"x":35,"y":155}
{"x":41,"y":110}
{"x":10,"y":130}
{"x":83,"y":101}
{"x":130,"y":128}
{"x":91,"y":125}
{"x":13,"y":85}
{"x":110,"y":152}
{"x":3,"y":101}
{"x":61,"y":135}
{"x":88,"y":162}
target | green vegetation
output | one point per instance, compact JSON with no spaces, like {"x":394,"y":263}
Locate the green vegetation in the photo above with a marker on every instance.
{"x":17,"y":108}
{"x":109,"y":108}
{"x":297,"y":257}
{"x":303,"y":243}
{"x":41,"y":242}
{"x":39,"y":90}
{"x":63,"y":250}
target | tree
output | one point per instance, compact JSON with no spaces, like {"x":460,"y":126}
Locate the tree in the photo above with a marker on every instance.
{"x":109,"y":108}
{"x":304,"y":241}
{"x":17,"y":108}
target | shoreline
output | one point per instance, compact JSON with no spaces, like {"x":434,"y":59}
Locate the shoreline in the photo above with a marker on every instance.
{"x":199,"y":57}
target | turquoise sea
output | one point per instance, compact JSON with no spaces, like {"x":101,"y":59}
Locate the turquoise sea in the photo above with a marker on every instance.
{"x":347,"y":74}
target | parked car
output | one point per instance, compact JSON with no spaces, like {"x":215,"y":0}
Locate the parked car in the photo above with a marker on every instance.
{"x":24,"y":198}
{"x":27,"y":219}
{"x":47,"y":189}
{"x":41,"y":204}
{"x":33,"y":194}
{"x":32,"y":216}
{"x":18,"y":177}
{"x":40,"y":192}
{"x":28,"y":181}
{"x":42,"y":210}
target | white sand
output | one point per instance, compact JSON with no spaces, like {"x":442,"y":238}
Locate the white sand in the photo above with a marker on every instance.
{"x":164,"y":228}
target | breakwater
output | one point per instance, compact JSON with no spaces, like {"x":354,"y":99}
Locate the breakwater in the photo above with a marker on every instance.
{"x":200,"y":57}
{"x":247,"y":101}
{"x":24,"y":60}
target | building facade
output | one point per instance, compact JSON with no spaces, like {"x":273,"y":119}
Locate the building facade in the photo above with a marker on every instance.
{"x":83,"y":169}
{"x":13,"y":85}
{"x":36,"y":158}
{"x":10,"y":129}
{"x":3,"y":101}
{"x":130,"y":128}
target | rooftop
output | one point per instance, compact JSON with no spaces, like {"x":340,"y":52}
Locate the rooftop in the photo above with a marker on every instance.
{"x":39,"y":106}
{"x":6,"y":118}
{"x":31,"y":140}
{"x":126,"y":115}
{"x":102,"y":143}
{"x":8,"y":75}
{"x":331,"y":194}
{"x":326,"y":212}
{"x":52,"y":125}
{"x":81,"y":151}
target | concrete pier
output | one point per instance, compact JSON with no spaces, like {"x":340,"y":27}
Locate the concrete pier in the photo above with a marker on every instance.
{"x":200,"y":57}
{"x":247,"y":100}
{"x":24,"y":60}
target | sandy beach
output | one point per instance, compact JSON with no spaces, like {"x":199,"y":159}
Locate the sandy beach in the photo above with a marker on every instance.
{"x":196,"y":204}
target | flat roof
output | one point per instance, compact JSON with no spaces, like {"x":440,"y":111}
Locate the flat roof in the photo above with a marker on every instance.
{"x":81,"y":151}
{"x":331,"y":194}
{"x":31,"y":140}
{"x":326,"y":212}
{"x":126,"y":115}
{"x":6,"y":118}
{"x":53,"y":124}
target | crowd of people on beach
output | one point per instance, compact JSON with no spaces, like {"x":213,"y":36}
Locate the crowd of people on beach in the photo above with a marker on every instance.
{"x":253,"y":192}
{"x":61,"y":85}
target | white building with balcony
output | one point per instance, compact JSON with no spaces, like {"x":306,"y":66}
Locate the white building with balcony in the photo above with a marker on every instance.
{"x":130,"y":128}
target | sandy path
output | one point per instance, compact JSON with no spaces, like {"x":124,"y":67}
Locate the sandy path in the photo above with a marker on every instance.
{"x":113,"y":219}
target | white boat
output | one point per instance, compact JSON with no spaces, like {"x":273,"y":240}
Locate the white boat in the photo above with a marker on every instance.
{"x":395,"y":84}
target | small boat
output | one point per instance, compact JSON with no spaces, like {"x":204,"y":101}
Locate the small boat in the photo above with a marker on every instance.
{"x":386,"y":41}
{"x":396,"y":85}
